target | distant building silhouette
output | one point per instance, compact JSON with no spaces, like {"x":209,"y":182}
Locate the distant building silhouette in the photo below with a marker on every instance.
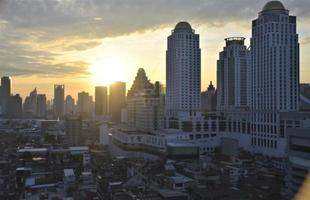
{"x":58,"y":104}
{"x":208,"y":99}
{"x":30,"y":104}
{"x":69,"y":105}
{"x":84,"y":102}
{"x":117,"y":100}
{"x":14,"y":107}
{"x":101,"y":100}
{"x":41,"y":105}
{"x":183,"y":72}
{"x":5,"y":92}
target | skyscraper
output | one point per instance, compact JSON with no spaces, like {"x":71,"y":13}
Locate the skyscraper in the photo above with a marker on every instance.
{"x":69,"y":105}
{"x":144,"y":104}
{"x":117,"y":100}
{"x":274,"y":76}
{"x":73,"y":130}
{"x":101,"y":100}
{"x":275,"y":59}
{"x":59,"y":96}
{"x":183,"y":72}
{"x":14,"y":106}
{"x":41,"y":105}
{"x":5,"y":92}
{"x":232,"y":75}
{"x":30,"y":104}
{"x":208,"y":99}
{"x":84,"y":102}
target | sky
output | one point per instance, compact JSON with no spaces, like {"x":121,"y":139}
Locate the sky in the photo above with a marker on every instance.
{"x":84,"y":43}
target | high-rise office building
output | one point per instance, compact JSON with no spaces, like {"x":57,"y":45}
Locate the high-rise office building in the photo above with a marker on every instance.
{"x":183,"y":72}
{"x":59,"y":97}
{"x":274,"y":76}
{"x":117,"y":100}
{"x":84,"y":102}
{"x":208,"y":99}
{"x":5,"y":92}
{"x":73,"y":130}
{"x":101,"y":100}
{"x":69,"y":105}
{"x":30,"y":104}
{"x":41,"y":105}
{"x":275,"y":59}
{"x":145,"y":109}
{"x":232,"y":75}
{"x":14,"y":106}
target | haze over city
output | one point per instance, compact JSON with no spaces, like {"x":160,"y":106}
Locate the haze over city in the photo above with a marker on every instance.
{"x":84,"y":43}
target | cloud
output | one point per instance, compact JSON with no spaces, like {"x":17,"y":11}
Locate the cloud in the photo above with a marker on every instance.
{"x":305,"y":40}
{"x":34,"y":33}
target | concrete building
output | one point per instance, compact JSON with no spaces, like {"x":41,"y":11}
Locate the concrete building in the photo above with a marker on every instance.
{"x":208,"y":99}
{"x":69,"y":105}
{"x":145,"y":107}
{"x":30,"y":104}
{"x":274,"y":76}
{"x":232,"y":75}
{"x":41,"y":105}
{"x":304,"y":97}
{"x":59,"y":97}
{"x":183,"y":72}
{"x":14,"y":106}
{"x":5,"y":92}
{"x":101,"y":100}
{"x":104,"y":134}
{"x":84,"y":102}
{"x":117,"y":100}
{"x":298,"y":161}
{"x":73,"y":130}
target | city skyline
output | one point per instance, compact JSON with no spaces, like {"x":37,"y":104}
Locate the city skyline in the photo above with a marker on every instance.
{"x":122,"y":105}
{"x":79,"y":59}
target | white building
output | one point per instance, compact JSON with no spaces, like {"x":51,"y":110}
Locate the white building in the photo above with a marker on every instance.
{"x":183,"y":72}
{"x":232,"y":75}
{"x":104,"y":134}
{"x":274,"y":76}
{"x":298,"y":161}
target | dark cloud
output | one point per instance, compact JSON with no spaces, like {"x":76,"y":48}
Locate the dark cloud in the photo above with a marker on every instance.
{"x":76,"y":21}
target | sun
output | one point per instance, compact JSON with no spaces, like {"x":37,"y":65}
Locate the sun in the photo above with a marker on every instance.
{"x":107,"y":69}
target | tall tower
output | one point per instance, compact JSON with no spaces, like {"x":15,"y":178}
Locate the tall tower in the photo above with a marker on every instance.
{"x":101,"y":100}
{"x":41,"y":105}
{"x":274,"y":75}
{"x":69,"y":105}
{"x":84,"y":102}
{"x":232,"y":75}
{"x":59,"y":97}
{"x":117,"y":100}
{"x":5,"y":92}
{"x":183,"y":72}
{"x":275,"y":60}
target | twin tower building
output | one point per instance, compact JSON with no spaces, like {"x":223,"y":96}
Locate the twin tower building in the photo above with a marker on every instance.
{"x":257,"y":86}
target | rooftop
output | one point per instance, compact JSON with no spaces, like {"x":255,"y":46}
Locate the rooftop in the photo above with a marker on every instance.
{"x":183,"y":26}
{"x":68,"y":172}
{"x":273,"y":5}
